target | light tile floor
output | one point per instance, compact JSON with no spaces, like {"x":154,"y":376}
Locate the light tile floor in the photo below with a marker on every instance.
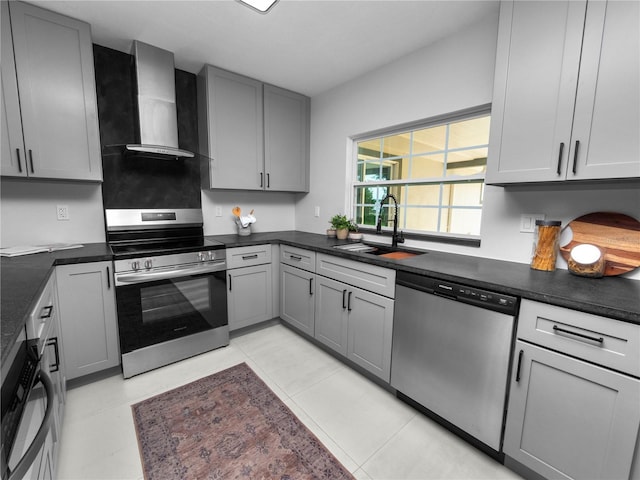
{"x":372,"y":433}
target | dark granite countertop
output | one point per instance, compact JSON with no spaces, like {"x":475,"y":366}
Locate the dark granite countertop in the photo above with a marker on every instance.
{"x":613,"y":297}
{"x":23,"y":278}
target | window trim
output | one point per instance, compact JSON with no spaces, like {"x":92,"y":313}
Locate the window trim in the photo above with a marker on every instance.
{"x":453,"y":117}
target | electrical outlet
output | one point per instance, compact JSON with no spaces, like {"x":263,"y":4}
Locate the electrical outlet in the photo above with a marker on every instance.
{"x":62,"y":212}
{"x":316,"y":212}
{"x":528,"y":221}
{"x":218,"y":211}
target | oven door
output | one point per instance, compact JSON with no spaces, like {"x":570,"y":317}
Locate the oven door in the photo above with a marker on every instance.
{"x":31,"y":454}
{"x":157,"y":311}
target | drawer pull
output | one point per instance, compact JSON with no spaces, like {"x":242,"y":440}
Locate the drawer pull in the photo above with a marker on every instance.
{"x":53,"y":342}
{"x":47,"y":311}
{"x":295,"y":257}
{"x":250,"y":257}
{"x":311,"y":286}
{"x":581,"y":335}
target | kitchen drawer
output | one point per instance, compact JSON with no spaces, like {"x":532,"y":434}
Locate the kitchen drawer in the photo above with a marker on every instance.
{"x":604,"y":341}
{"x":363,"y":275}
{"x":247,"y":256}
{"x":298,"y":257}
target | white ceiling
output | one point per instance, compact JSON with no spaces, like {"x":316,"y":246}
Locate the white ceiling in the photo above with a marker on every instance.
{"x":307,"y":46}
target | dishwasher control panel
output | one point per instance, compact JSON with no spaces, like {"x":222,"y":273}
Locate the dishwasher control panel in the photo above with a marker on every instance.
{"x":462,"y":293}
{"x":477,"y":296}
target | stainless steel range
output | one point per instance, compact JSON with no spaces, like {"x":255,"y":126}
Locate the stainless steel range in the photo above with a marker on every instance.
{"x":170,"y":286}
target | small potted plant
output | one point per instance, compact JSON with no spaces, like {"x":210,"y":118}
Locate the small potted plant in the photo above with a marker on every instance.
{"x":340,"y":223}
{"x":354,"y":234}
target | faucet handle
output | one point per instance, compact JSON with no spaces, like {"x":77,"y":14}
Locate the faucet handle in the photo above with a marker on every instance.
{"x":400,"y":238}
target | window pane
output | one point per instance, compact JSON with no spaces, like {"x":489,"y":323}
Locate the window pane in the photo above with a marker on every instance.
{"x":369,"y":149}
{"x":423,"y":195}
{"x":397,"y":145}
{"x":467,"y":162}
{"x":421,"y":218}
{"x":469,"y":133}
{"x":429,"y":140}
{"x":427,"y":166}
{"x":461,"y":221}
{"x":466,"y":194}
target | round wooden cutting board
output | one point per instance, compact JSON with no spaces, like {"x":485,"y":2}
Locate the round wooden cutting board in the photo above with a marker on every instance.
{"x":616,"y":234}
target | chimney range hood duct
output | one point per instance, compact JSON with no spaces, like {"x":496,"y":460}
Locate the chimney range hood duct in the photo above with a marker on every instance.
{"x":156,"y":102}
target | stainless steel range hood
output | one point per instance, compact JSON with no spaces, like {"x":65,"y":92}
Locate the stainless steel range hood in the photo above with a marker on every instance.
{"x":156,"y":102}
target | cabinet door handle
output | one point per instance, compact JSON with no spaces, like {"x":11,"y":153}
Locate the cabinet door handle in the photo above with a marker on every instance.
{"x":268,"y":180}
{"x":261,"y":179}
{"x":575,"y":157}
{"x":31,"y":160}
{"x":349,"y":302}
{"x":54,"y":343}
{"x":519,"y":365}
{"x":560,"y":157}
{"x":47,"y":311}
{"x":581,"y":335}
{"x":19,"y":160}
{"x":311,"y":286}
{"x":344,"y":294}
{"x":229,"y":282}
{"x":108,"y":278}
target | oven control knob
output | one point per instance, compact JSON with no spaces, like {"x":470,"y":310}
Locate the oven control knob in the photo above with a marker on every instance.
{"x":135,"y":265}
{"x":202,"y":256}
{"x":212,"y":255}
{"x":148,"y":263}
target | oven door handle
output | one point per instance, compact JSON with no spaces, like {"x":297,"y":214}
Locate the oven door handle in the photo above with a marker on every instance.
{"x":38,"y":442}
{"x":141,"y":277}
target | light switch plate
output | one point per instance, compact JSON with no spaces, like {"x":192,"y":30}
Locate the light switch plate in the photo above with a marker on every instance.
{"x":528,"y":221}
{"x":218,"y":211}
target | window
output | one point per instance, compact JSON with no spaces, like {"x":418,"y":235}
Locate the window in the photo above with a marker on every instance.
{"x":435,"y":171}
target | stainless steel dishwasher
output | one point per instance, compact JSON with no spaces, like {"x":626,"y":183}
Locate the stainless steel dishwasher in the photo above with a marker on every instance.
{"x":451,"y":355}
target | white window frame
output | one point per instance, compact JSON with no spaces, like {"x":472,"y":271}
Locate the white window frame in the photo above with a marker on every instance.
{"x":454,"y":238}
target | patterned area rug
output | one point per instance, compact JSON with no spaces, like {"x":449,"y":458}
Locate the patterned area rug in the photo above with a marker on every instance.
{"x":228,"y":425}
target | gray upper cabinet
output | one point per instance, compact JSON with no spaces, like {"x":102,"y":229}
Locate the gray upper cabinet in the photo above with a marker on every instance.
{"x":286,"y":140}
{"x":566,"y":92}
{"x":49,"y":96}
{"x":256,"y":135}
{"x":231,"y":131}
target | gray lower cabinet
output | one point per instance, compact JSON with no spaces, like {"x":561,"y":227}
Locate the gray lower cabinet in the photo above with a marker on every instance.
{"x":297,"y":298}
{"x":331,"y":314}
{"x":571,"y":419}
{"x":575,"y":395}
{"x":355,"y":323}
{"x":249,"y":298}
{"x":369,"y":335}
{"x":86,"y":295}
